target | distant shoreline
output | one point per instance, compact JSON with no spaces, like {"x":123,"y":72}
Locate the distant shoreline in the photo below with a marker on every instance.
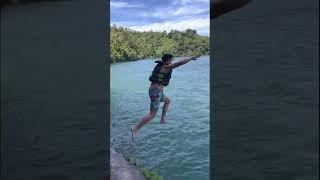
{"x":112,"y":62}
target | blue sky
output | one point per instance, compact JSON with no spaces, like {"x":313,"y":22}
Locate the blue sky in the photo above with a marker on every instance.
{"x":161,"y":15}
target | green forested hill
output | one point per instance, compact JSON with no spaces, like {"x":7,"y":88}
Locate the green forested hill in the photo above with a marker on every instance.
{"x":130,"y":45}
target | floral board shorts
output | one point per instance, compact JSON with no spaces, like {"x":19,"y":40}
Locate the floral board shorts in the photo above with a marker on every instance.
{"x":156,"y":96}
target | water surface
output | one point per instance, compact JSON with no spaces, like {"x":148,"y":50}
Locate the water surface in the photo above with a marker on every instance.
{"x":178,"y":149}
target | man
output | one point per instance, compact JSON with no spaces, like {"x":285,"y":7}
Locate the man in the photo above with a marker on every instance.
{"x":162,"y":72}
{"x":219,"y":7}
{"x":160,"y":78}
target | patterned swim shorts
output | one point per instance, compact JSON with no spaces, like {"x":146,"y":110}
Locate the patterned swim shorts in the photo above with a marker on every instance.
{"x":156,"y":96}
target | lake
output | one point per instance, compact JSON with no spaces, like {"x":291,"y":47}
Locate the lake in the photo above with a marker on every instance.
{"x":178,"y":149}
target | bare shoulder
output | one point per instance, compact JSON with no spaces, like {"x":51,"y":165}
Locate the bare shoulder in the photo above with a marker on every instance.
{"x":167,"y":67}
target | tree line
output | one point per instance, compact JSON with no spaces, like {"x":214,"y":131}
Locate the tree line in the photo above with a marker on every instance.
{"x":129,"y":45}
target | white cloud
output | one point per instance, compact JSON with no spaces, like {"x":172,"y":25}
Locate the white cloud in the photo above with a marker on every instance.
{"x":122,"y":5}
{"x":202,"y":25}
{"x":126,"y":23}
{"x":170,"y":13}
{"x":189,"y":10}
{"x":204,"y":1}
{"x":184,"y":2}
{"x":180,"y":15}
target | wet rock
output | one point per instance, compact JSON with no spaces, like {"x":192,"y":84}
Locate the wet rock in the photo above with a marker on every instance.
{"x":121,"y":169}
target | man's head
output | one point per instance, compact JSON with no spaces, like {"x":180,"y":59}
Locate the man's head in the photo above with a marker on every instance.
{"x":167,"y":58}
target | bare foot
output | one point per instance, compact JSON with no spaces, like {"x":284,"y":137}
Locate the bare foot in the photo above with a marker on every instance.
{"x":163,"y":120}
{"x":133,"y":134}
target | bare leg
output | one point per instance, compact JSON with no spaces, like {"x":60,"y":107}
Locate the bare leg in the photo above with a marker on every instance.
{"x":165,"y":110}
{"x":143,"y":121}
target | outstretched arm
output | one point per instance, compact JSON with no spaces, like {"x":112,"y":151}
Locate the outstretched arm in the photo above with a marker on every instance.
{"x":181,"y":62}
{"x":219,"y":7}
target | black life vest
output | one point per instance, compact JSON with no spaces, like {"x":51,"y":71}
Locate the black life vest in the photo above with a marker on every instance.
{"x":160,"y":75}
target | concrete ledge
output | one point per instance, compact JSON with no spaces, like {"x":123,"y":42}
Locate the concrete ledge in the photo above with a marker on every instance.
{"x":121,"y":169}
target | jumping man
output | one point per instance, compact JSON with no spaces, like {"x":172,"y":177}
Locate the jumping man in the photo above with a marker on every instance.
{"x":159,"y":78}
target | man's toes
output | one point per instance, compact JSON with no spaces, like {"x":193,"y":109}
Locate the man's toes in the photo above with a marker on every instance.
{"x":163,"y":121}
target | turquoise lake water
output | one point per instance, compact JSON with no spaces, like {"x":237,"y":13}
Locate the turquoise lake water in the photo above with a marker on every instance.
{"x":176,"y":150}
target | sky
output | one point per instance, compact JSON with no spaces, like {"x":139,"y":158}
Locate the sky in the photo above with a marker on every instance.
{"x":161,"y":15}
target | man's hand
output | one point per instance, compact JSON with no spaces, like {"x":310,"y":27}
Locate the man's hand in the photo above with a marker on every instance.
{"x":181,"y":62}
{"x":195,"y":57}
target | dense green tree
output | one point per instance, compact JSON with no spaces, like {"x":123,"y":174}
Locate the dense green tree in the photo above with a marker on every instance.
{"x":130,"y":45}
